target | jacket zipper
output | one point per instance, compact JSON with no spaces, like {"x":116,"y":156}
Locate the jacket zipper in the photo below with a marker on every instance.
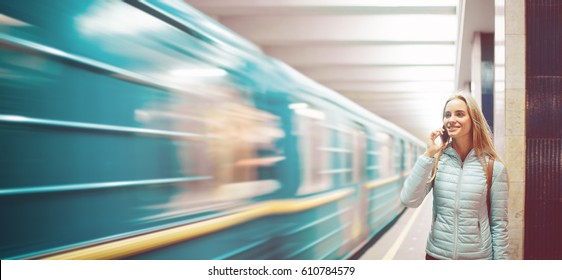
{"x":457,"y":209}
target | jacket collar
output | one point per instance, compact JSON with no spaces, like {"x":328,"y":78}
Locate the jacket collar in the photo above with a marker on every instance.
{"x":453,"y":153}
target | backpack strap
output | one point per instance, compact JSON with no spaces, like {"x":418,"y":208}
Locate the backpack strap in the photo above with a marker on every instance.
{"x":489,"y":186}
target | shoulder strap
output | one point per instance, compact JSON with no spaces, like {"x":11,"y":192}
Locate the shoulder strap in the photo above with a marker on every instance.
{"x":436,"y":166}
{"x":489,"y":185}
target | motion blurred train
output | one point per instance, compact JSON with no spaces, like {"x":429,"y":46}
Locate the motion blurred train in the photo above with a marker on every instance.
{"x":144,"y":129}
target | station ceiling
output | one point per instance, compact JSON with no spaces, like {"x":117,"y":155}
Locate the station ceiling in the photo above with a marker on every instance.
{"x":399,"y":59}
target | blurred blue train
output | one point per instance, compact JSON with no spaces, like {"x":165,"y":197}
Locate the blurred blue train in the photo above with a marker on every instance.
{"x":146,"y":130}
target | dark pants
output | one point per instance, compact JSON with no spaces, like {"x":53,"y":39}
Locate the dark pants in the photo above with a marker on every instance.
{"x":430,"y":258}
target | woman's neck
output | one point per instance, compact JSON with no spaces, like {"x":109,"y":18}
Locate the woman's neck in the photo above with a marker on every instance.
{"x":462,"y":147}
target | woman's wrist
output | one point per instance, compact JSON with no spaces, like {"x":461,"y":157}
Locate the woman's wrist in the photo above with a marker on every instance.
{"x":429,"y":153}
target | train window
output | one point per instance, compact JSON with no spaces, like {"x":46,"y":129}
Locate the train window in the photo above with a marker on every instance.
{"x":337,"y":151}
{"x":347,"y":156}
{"x":313,"y":135}
{"x":242,"y":149}
{"x":341,"y":151}
{"x":386,"y":154}
{"x":410,"y":156}
{"x":372,"y":152}
{"x":398,"y":156}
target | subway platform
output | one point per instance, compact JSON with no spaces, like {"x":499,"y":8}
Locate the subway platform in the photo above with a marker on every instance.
{"x":407,"y":238}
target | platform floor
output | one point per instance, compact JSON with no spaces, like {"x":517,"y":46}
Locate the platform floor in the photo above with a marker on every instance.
{"x":407,"y":238}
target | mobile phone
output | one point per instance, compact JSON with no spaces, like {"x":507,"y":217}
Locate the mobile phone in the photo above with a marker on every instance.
{"x":444,"y":136}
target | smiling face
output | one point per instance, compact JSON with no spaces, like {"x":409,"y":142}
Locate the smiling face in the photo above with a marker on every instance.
{"x":456,"y":119}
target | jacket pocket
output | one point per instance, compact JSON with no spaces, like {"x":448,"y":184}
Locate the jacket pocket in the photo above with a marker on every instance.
{"x":432,"y":226}
{"x":433,"y":222}
{"x":479,"y":233}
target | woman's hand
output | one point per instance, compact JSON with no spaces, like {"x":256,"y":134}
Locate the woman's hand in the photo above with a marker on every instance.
{"x":432,"y":147}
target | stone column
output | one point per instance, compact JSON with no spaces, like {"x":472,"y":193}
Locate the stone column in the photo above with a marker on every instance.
{"x":515,"y":121}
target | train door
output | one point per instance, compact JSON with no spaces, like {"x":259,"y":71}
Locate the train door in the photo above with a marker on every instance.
{"x":410,"y":154}
{"x":402,"y":152}
{"x":359,"y":153}
{"x":359,"y":166}
{"x":312,"y":146}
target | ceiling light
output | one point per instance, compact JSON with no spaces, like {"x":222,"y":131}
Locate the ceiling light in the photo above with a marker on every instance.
{"x":198,"y":72}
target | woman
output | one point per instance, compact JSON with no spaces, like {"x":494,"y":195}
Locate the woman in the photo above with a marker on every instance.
{"x":456,"y":170}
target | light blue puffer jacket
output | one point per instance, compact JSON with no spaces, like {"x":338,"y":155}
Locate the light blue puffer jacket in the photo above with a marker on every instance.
{"x":460,"y":227}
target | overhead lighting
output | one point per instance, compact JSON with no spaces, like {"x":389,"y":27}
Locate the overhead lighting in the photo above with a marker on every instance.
{"x":394,"y":3}
{"x":311,"y":113}
{"x":296,"y":106}
{"x":198,"y":72}
{"x":417,"y":86}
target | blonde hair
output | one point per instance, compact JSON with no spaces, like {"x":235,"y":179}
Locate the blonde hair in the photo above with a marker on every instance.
{"x":481,"y":133}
